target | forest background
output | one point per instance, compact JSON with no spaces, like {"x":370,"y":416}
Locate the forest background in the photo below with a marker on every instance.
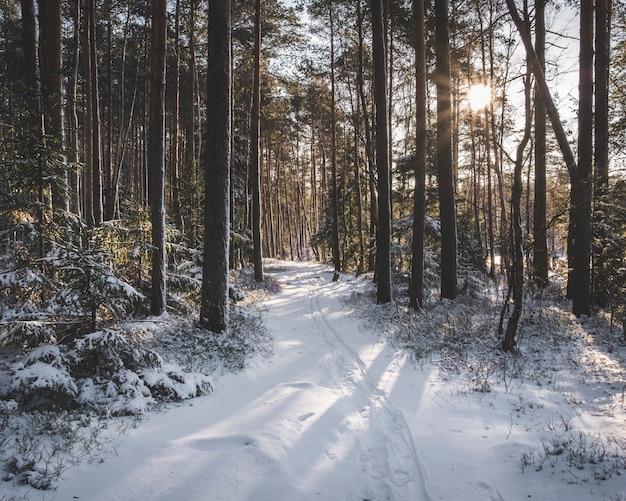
{"x":146,"y":149}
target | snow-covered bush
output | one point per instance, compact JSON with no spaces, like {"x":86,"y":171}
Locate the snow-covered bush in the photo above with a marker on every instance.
{"x":88,"y":286}
{"x":115,"y":370}
{"x":39,"y":380}
{"x":106,"y":370}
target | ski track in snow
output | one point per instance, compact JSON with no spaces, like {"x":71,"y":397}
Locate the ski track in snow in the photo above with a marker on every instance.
{"x":312,"y":422}
{"x":336,"y":414}
{"x":385,"y":443}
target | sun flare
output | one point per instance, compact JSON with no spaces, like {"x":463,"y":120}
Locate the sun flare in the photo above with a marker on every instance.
{"x":478,"y":96}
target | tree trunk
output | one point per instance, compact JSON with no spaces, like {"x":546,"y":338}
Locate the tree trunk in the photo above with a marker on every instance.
{"x":156,"y":154}
{"x":190,"y":140}
{"x":214,"y":313}
{"x":94,"y":179}
{"x":580,"y":177}
{"x":110,"y":201}
{"x":75,"y":194}
{"x":52,"y":95}
{"x":516,"y":277}
{"x":540,"y":246}
{"x":416,"y":286}
{"x":602,"y":211}
{"x":175,"y":153}
{"x":581,"y":196}
{"x":369,"y":153}
{"x":255,"y":153}
{"x":445,"y":167}
{"x":32,"y":108}
{"x":334,"y":196}
{"x":383,"y":234}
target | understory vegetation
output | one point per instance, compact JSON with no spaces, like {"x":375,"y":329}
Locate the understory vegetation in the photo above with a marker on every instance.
{"x":79,"y":353}
{"x":558,"y":357}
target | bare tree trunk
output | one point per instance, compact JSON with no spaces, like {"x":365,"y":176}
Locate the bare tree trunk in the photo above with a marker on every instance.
{"x":156,"y":155}
{"x":191,"y":146}
{"x":75,"y":195}
{"x":333,"y":152}
{"x":215,"y":311}
{"x":52,"y":95}
{"x":416,"y":286}
{"x":582,"y":181}
{"x":93,"y":112}
{"x":88,"y":180}
{"x":580,"y":175}
{"x":445,"y":167}
{"x":369,"y":153}
{"x":601,"y":123}
{"x":175,"y":150}
{"x":109,"y":201}
{"x":255,"y":136}
{"x":33,"y":124}
{"x":540,"y":247}
{"x":383,"y":234}
{"x":516,"y":277}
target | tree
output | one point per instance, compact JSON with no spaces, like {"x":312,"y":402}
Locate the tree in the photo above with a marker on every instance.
{"x":334,"y":196}
{"x":601,"y":146}
{"x":175,"y":150}
{"x":581,"y":189}
{"x":578,"y":252}
{"x":52,"y":94}
{"x":255,"y":147}
{"x":214,"y":310}
{"x":156,"y":154}
{"x":516,"y":274}
{"x":540,"y":247}
{"x":416,"y":292}
{"x":32,"y":120}
{"x":93,"y":179}
{"x":445,"y":167}
{"x":383,"y":233}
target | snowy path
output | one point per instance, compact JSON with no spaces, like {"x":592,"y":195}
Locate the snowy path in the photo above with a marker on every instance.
{"x":313,"y":422}
{"x":337,"y":415}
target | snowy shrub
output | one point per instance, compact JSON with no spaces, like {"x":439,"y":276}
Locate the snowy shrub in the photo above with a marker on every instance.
{"x":116,"y":371}
{"x":591,"y":456}
{"x":200,"y":351}
{"x":88,"y":285}
{"x":106,"y":370}
{"x":37,"y":446}
{"x":41,"y":380}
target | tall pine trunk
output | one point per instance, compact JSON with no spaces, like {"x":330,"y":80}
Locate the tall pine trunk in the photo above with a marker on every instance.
{"x":445,"y":167}
{"x":214,"y":310}
{"x":416,"y":287}
{"x":255,"y":150}
{"x":334,"y":196}
{"x":383,"y":234}
{"x":540,"y":246}
{"x":52,"y":96}
{"x":93,"y":180}
{"x":602,"y":207}
{"x":156,"y":154}
{"x":580,"y":213}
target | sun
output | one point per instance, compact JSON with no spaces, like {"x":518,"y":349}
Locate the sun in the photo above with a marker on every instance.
{"x":478,"y":96}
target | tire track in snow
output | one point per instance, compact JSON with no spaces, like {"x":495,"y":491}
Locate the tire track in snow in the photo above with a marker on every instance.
{"x":386,"y":445}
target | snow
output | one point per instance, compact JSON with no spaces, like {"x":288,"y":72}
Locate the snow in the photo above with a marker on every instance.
{"x":337,"y":413}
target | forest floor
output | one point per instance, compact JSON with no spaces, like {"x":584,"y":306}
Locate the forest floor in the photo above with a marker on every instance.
{"x":366,"y":402}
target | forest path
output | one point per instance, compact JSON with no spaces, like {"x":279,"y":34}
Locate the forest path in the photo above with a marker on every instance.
{"x":359,"y":438}
{"x":314,"y":421}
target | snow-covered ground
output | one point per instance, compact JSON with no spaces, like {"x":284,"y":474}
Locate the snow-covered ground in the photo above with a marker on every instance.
{"x":338,"y":414}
